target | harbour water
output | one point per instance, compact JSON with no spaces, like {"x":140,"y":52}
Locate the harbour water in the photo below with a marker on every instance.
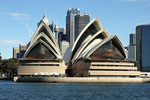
{"x":73,"y":91}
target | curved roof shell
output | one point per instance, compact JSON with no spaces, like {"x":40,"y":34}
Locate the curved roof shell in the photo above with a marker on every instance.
{"x":117,"y":44}
{"x":90,"y":39}
{"x":43,"y":35}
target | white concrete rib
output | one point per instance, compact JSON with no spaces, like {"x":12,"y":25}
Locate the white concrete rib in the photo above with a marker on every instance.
{"x":92,"y":42}
{"x":48,"y":36}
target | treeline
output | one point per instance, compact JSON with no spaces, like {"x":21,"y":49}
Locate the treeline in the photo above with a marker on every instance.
{"x":8,"y":67}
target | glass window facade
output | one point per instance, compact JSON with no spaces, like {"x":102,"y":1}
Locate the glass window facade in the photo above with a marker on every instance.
{"x":145,"y":48}
{"x":40,"y":51}
{"x":108,"y":50}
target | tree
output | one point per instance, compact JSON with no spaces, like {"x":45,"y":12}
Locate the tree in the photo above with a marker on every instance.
{"x":9,"y":66}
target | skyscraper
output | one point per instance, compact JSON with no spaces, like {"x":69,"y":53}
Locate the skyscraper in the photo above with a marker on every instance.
{"x":61,"y":35}
{"x":75,"y":22}
{"x":143,"y":47}
{"x":132,"y":39}
{"x":70,"y":24}
{"x":22,"y":49}
{"x":132,"y":47}
{"x":63,"y":47}
{"x":81,"y":20}
{"x":15,"y":52}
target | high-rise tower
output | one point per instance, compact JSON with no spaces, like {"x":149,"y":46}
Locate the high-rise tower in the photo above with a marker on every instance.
{"x":81,"y":20}
{"x":70,"y":24}
{"x":143,"y":47}
{"x":132,"y":47}
{"x":56,"y":32}
{"x":75,"y":22}
{"x":132,"y":39}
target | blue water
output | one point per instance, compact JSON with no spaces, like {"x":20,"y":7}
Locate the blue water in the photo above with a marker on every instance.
{"x":73,"y":91}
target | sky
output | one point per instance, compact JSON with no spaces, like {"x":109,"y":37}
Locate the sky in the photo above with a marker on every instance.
{"x":118,"y":17}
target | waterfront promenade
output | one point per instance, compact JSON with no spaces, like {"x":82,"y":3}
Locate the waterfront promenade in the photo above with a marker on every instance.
{"x":82,"y":79}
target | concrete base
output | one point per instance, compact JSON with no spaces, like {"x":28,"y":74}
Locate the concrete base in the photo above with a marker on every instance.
{"x":82,"y":79}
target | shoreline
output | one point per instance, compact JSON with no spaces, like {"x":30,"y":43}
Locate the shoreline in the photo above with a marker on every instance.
{"x":82,"y":79}
{"x":7,"y":78}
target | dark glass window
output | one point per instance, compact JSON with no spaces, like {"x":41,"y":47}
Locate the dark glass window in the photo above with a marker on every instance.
{"x":107,"y":51}
{"x":40,"y":51}
{"x":146,"y":48}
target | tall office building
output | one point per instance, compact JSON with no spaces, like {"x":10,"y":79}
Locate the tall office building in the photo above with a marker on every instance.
{"x":75,"y":22}
{"x":143,"y":47}
{"x":63,"y":47}
{"x":81,"y":20}
{"x":132,"y":47}
{"x":61,"y":35}
{"x":22,"y":49}
{"x":132,"y":39}
{"x":51,"y":26}
{"x":62,"y":30}
{"x":132,"y":52}
{"x":15,"y":52}
{"x":70,"y":24}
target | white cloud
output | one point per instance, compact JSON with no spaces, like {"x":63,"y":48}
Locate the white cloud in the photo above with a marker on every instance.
{"x":9,"y":42}
{"x":16,"y":16}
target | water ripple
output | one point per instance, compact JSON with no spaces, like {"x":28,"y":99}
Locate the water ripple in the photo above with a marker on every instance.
{"x":73,"y":91}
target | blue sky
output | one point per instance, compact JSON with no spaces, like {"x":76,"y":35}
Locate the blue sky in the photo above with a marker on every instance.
{"x":118,"y":17}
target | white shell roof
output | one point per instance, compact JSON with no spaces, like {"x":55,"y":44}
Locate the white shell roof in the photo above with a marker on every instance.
{"x":49,"y":42}
{"x":86,"y":43}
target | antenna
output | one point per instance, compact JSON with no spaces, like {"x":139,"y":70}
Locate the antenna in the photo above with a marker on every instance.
{"x":45,"y":11}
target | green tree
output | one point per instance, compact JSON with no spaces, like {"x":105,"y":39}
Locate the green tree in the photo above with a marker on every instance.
{"x":9,"y":67}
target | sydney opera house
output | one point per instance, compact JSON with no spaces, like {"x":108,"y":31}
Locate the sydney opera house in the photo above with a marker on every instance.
{"x":94,"y":54}
{"x":97,"y":54}
{"x":42,"y":56}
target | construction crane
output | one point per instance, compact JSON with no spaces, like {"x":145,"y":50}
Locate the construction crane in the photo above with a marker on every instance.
{"x":30,"y":32}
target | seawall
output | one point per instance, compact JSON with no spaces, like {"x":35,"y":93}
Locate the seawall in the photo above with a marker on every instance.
{"x":82,"y":79}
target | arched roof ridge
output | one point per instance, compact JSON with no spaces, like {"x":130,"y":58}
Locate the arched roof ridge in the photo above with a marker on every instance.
{"x":43,"y":24}
{"x":98,"y":26}
{"x":41,"y":41}
{"x":86,"y":45}
{"x":103,"y":42}
{"x":37,"y":38}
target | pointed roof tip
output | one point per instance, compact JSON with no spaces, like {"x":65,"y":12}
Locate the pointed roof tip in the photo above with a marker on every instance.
{"x":45,"y":19}
{"x":45,"y":16}
{"x":96,"y":18}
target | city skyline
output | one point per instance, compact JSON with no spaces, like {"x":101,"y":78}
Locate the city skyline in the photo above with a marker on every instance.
{"x":119,"y":17}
